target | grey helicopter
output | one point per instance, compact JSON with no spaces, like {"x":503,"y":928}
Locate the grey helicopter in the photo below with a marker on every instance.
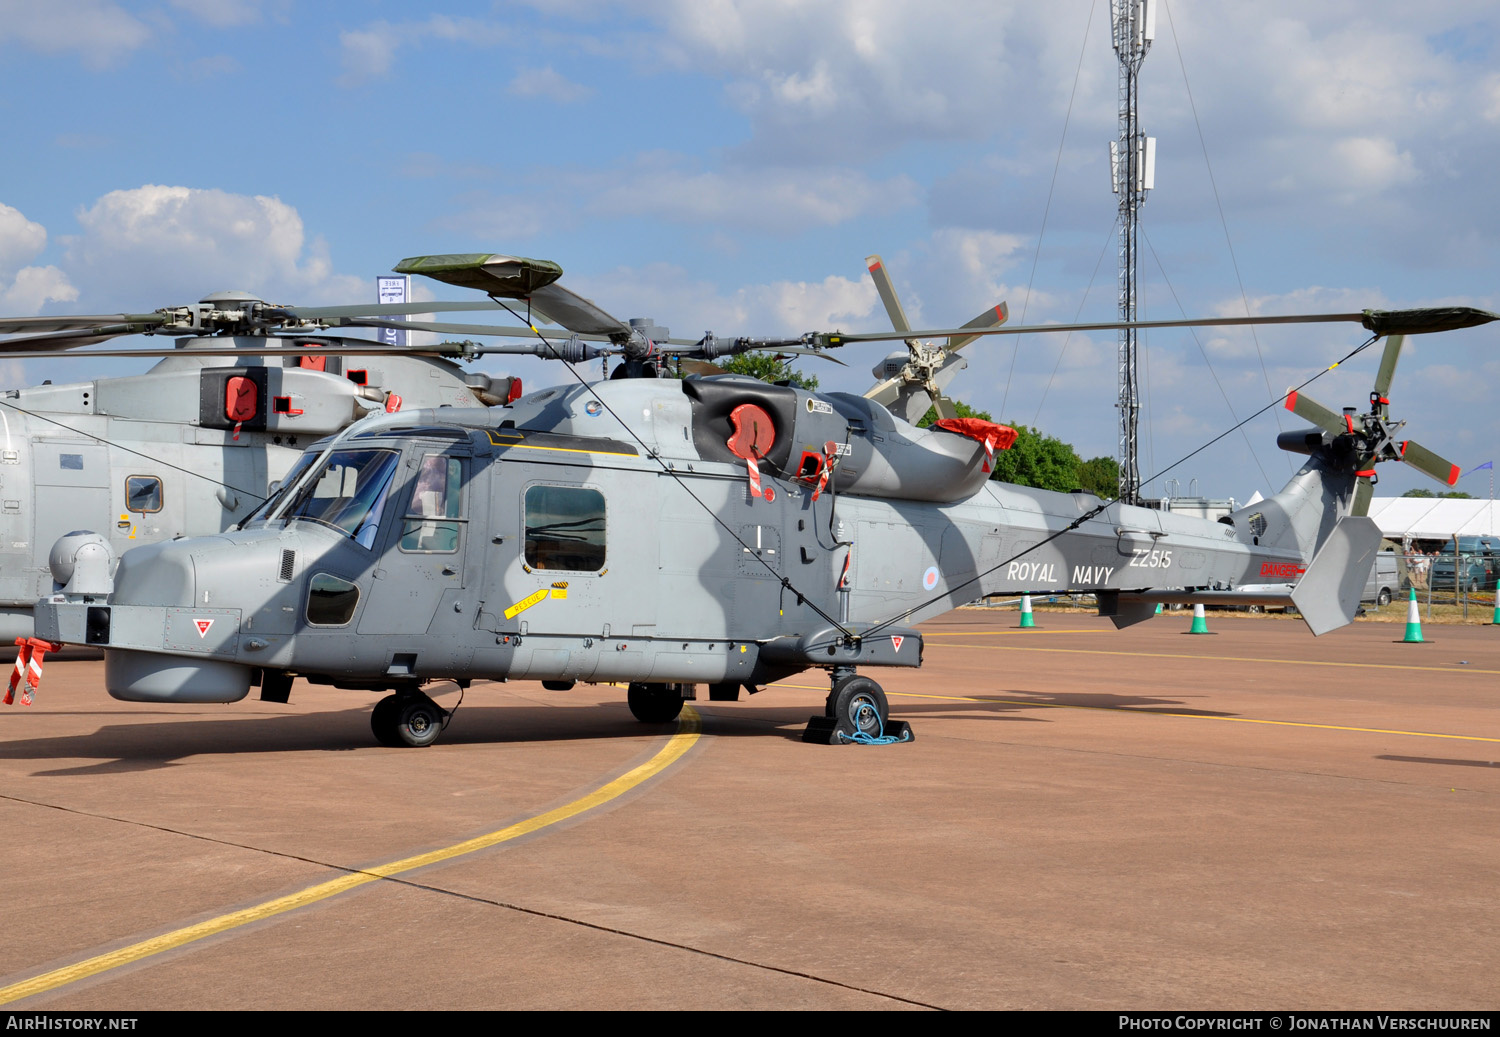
{"x":669,"y":534}
{"x":192,"y":445}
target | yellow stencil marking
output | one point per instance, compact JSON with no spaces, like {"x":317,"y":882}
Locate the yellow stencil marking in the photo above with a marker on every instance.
{"x":688,"y":729}
{"x":526,"y":603}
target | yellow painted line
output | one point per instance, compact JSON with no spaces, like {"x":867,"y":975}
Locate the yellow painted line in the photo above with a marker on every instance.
{"x":688,"y":730}
{"x":1195,"y":716}
{"x":1159,"y":713}
{"x":1229,"y":658}
{"x":1029,"y":632}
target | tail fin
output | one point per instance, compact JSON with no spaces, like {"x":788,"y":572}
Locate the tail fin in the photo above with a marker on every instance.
{"x":1328,"y":594}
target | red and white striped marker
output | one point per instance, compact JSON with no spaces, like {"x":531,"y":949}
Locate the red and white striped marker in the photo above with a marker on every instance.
{"x":754,"y":476}
{"x":29,"y":653}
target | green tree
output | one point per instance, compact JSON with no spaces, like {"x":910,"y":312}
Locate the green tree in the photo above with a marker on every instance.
{"x":1043,"y":461}
{"x":1099,"y":476}
{"x":1038,"y":460}
{"x":1425,"y":493}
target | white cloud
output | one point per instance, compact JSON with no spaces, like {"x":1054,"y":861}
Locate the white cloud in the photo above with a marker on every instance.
{"x":21,"y":240}
{"x":26,"y":289}
{"x":34,"y":287}
{"x":671,"y":188}
{"x":368,"y":54}
{"x":223,"y":14}
{"x":548,"y":84}
{"x":691,"y":306}
{"x":158,"y":242}
{"x":98,"y":31}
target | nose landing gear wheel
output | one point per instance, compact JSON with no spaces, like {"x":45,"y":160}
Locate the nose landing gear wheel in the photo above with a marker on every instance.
{"x":859,"y":707}
{"x":407,"y":720}
{"x":654,"y":703}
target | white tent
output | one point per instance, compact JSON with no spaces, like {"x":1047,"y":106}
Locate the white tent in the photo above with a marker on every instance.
{"x":1429,"y":518}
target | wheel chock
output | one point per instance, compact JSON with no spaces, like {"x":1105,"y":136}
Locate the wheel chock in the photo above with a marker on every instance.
{"x":823,"y":730}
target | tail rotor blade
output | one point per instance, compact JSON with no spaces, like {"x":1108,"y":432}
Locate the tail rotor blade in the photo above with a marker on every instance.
{"x":887,"y":292}
{"x":1363,"y":491}
{"x":1309,"y":409}
{"x":1388,"y":365}
{"x":1429,"y":463}
{"x":990,"y":318}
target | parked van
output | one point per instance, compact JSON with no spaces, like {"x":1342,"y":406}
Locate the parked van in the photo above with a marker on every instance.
{"x":1384,"y":580}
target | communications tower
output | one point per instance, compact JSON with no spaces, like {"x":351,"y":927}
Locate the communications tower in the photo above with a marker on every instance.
{"x":1132,"y":164}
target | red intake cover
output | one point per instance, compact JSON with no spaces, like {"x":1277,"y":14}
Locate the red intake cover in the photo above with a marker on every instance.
{"x":753,"y":432}
{"x":241,"y":401}
{"x":977,"y":428}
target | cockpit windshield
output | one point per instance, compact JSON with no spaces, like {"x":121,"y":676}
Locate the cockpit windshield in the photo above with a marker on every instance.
{"x":349,"y":494}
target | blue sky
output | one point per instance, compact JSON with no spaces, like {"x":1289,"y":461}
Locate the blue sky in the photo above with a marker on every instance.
{"x":728,"y":165}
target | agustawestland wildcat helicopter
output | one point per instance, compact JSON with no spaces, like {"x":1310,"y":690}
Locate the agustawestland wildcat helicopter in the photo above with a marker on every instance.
{"x":671,"y":533}
{"x":191,"y":446}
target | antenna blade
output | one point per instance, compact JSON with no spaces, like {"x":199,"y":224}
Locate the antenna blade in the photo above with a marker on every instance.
{"x":887,"y":292}
{"x":1309,"y":409}
{"x":1388,"y":365}
{"x":1428,"y":463}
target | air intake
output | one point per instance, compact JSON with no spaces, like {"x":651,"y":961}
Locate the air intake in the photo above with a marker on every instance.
{"x":288,"y":564}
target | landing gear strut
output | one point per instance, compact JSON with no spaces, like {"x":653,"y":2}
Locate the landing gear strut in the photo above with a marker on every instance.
{"x":407,"y":718}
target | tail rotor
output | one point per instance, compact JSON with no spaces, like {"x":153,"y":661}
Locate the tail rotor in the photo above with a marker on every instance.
{"x":1372,"y":436}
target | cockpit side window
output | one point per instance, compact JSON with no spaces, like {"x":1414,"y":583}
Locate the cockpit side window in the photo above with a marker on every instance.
{"x":433,"y":516}
{"x":350,"y":493}
{"x":565,"y":528}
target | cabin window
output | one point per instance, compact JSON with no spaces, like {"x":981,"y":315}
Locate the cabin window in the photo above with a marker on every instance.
{"x":142,"y":493}
{"x":330,"y":600}
{"x":349,"y":494}
{"x":431,"y":522}
{"x":565,"y":528}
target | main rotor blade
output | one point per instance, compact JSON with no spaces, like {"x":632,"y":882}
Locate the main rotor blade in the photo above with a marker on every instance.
{"x":1363,"y":491}
{"x":1388,"y":361}
{"x":18,"y":325}
{"x":1382,"y":322}
{"x":395,"y":309}
{"x":1428,"y":463}
{"x":1309,"y":409}
{"x":887,"y":292}
{"x":443,"y":328}
{"x":576,"y":313}
{"x":945,"y":408}
{"x":65,"y":340}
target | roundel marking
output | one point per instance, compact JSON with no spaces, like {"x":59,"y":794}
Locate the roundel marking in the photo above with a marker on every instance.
{"x":930,"y":578}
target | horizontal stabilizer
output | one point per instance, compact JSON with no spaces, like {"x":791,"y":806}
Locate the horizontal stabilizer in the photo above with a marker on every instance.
{"x":1329,"y":591}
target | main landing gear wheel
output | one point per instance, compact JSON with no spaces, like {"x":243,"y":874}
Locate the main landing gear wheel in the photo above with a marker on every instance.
{"x":407,"y":720}
{"x":654,"y":703}
{"x":858,"y":706}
